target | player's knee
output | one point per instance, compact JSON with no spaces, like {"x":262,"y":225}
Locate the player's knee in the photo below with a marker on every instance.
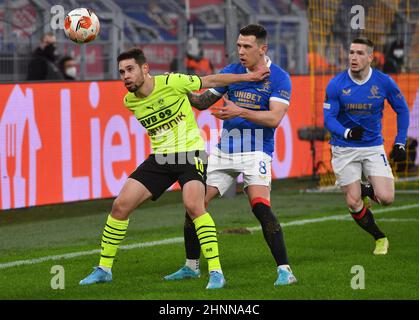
{"x":385,"y":199}
{"x":119,"y":209}
{"x":354,"y":204}
{"x":194,"y":209}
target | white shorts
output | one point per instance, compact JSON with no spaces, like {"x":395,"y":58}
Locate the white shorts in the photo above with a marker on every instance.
{"x":223,"y":169}
{"x":350,"y":163}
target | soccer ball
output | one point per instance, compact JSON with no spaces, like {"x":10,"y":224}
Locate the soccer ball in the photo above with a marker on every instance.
{"x":81,"y":25}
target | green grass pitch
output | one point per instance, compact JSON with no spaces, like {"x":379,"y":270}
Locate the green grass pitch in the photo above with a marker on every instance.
{"x":321,"y":251}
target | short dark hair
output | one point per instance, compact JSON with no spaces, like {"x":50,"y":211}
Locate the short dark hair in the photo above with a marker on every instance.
{"x":62,"y":62}
{"x":134,"y":53}
{"x":255,"y":30}
{"x":364,"y":40}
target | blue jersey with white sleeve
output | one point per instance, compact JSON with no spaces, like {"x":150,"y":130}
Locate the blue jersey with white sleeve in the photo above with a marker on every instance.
{"x":241,"y":135}
{"x":350,"y":103}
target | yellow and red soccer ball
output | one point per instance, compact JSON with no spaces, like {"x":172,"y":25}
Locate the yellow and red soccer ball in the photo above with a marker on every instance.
{"x":81,"y":25}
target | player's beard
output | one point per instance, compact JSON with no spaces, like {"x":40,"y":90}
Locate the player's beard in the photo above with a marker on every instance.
{"x":133,"y":88}
{"x":136,"y":87}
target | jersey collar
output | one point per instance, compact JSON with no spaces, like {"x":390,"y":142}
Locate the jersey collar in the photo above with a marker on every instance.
{"x":363,"y":81}
{"x":268,"y":63}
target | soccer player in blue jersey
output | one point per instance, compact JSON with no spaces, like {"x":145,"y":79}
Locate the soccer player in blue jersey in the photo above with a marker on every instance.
{"x":251,"y":115}
{"x":353,"y":112}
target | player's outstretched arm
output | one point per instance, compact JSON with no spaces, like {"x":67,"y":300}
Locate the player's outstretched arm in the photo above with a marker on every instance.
{"x":225,"y":79}
{"x":270,"y":118}
{"x":203,"y":101}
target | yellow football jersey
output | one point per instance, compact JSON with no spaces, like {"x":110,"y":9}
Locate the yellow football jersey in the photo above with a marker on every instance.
{"x":167,"y":115}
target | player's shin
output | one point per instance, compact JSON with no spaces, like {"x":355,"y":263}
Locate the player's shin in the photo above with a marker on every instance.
{"x":113,"y":234}
{"x":365,"y":220}
{"x":207,"y":235}
{"x":272,"y":230}
{"x":192,"y":245}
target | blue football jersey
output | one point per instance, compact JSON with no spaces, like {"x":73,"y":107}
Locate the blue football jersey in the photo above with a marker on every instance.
{"x":350,"y":103}
{"x":241,"y":135}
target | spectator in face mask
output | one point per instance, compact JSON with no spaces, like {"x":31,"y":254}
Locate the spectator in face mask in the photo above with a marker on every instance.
{"x":195,"y":62}
{"x":67,"y":66}
{"x":395,"y":58}
{"x":42,"y":65}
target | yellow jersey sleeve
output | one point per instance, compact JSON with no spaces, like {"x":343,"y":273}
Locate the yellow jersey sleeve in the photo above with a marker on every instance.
{"x":184,"y":83}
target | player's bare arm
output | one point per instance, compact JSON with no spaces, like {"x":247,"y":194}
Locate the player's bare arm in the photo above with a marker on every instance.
{"x":270,"y":118}
{"x":203,"y":101}
{"x":225,"y":79}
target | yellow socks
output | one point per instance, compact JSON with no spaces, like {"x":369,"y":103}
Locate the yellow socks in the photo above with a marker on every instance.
{"x":115,"y":230}
{"x":207,"y":235}
{"x":113,"y":233}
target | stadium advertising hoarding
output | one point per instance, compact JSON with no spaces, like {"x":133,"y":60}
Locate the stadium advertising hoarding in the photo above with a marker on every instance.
{"x":63,"y":142}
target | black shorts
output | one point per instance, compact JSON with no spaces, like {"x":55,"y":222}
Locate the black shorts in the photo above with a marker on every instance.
{"x":159,"y":171}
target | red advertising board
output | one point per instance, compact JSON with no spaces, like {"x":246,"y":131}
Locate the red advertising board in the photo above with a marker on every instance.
{"x":62,"y":142}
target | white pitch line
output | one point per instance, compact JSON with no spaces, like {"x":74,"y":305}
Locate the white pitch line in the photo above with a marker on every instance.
{"x":336,"y":217}
{"x":180,"y":239}
{"x":397,"y":220}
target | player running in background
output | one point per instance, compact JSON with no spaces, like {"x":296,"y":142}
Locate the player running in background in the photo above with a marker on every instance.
{"x":246,"y":146}
{"x":161,"y":105}
{"x":353,"y":112}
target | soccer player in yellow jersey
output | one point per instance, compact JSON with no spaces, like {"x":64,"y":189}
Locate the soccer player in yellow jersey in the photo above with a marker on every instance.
{"x":161,"y":105}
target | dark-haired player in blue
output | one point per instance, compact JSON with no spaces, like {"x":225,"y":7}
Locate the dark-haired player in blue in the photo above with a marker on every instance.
{"x":353,"y":112}
{"x":251,"y":115}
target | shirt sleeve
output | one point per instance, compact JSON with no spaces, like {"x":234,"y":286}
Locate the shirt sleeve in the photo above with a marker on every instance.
{"x":282,"y":90}
{"x":220,"y":91}
{"x":331,"y":109}
{"x":184,"y":83}
{"x":399,"y":105}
